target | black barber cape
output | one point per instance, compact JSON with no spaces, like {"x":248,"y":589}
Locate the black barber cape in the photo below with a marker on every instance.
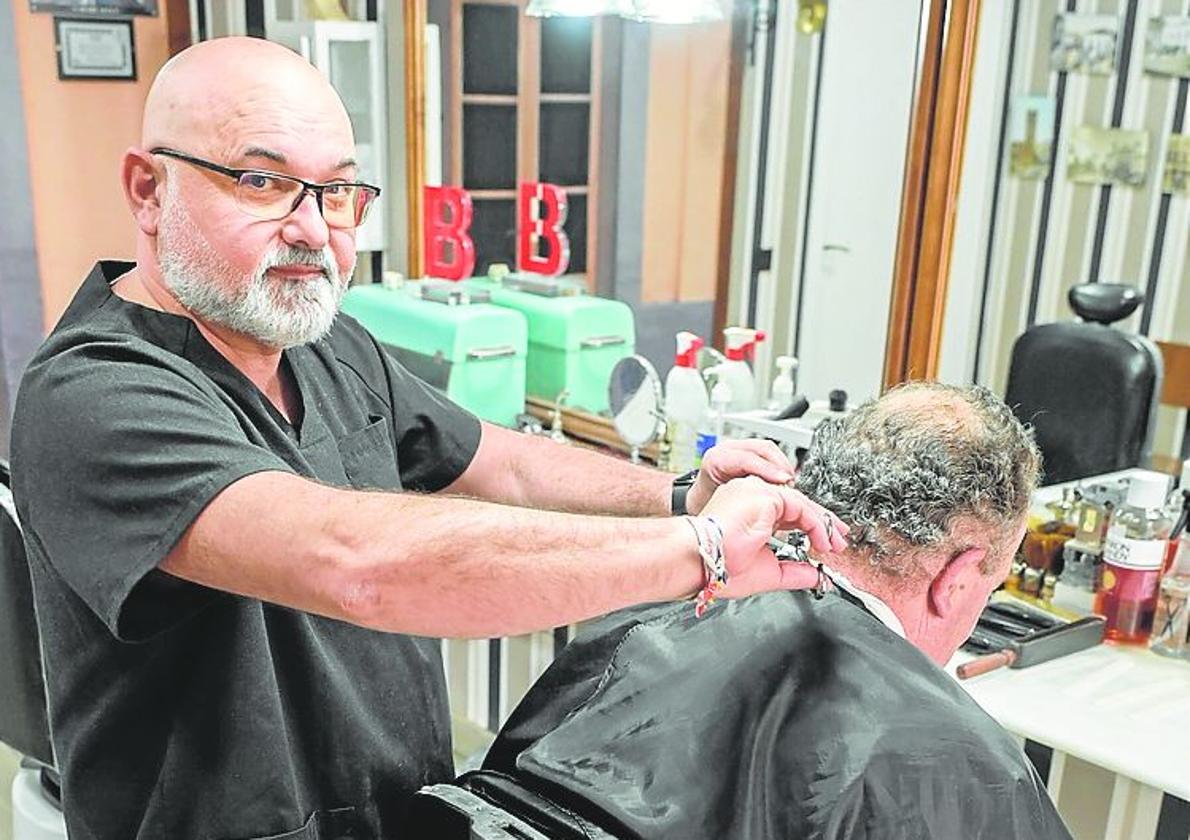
{"x":776,"y":717}
{"x":178,"y":711}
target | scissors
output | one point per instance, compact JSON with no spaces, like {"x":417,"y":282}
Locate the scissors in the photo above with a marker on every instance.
{"x":796,"y":550}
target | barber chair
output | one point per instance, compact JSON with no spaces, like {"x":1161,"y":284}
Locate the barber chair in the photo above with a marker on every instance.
{"x":36,"y":790}
{"x":1089,"y":389}
{"x":487,"y":805}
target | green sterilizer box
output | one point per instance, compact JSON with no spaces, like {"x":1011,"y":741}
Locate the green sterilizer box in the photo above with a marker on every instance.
{"x":451,"y":337}
{"x":575,"y":339}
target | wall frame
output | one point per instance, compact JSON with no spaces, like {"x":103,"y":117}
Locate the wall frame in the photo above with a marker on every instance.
{"x":93,"y":48}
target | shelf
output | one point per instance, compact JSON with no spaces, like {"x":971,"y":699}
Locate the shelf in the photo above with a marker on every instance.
{"x":565,"y":98}
{"x":489,"y":99}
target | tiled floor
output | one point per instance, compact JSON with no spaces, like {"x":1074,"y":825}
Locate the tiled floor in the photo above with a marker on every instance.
{"x":8,"y":769}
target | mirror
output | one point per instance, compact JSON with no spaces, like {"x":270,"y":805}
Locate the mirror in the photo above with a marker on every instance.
{"x":634,"y":395}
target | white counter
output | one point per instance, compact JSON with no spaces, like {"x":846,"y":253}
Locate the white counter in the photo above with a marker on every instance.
{"x":1121,"y":711}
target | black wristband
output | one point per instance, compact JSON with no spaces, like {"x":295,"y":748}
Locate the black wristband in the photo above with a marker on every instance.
{"x":681,"y":488}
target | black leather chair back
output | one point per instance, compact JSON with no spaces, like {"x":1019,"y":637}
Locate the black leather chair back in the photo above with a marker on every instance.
{"x":23,"y":722}
{"x":1090,"y":391}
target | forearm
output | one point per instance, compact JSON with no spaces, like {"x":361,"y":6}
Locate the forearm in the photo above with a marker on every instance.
{"x":429,"y":565}
{"x":580,"y":480}
{"x":536,"y":472}
{"x":453,"y":567}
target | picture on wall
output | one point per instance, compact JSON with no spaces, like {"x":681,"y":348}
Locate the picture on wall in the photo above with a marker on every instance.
{"x":1167,"y":46}
{"x":1031,"y":136}
{"x":96,"y":7}
{"x":1177,"y":166}
{"x":1084,"y":44}
{"x":1107,"y":156}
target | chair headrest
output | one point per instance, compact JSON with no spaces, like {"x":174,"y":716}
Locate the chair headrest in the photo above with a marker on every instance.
{"x":1104,"y":303}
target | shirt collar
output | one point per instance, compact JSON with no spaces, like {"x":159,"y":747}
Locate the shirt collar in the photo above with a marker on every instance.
{"x":877,"y":607}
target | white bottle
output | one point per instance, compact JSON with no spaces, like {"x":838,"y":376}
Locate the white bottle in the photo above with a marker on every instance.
{"x":685,"y":403}
{"x":740,"y":344}
{"x":710,"y":430}
{"x":783,"y":388}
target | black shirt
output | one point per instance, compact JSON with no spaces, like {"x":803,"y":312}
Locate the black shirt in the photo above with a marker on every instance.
{"x":178,"y":711}
{"x":772,"y":717}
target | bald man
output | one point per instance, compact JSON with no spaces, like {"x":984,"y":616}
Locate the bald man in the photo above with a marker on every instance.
{"x":233,"y":591}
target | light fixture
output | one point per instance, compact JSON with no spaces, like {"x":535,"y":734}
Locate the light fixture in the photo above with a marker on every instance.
{"x":576,"y":8}
{"x":645,"y":11}
{"x":675,"y":11}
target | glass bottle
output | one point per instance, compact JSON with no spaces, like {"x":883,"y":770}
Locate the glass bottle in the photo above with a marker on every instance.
{"x":1171,"y":623}
{"x":1133,"y":553}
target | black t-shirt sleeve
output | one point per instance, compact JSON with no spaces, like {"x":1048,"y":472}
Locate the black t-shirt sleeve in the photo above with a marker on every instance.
{"x":436,"y":437}
{"x":116,"y":452}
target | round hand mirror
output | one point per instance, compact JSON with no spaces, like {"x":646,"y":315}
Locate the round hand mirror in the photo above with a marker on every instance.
{"x":634,"y":394}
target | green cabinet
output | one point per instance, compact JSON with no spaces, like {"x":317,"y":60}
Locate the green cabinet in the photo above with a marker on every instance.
{"x":575,"y":339}
{"x":472,"y":351}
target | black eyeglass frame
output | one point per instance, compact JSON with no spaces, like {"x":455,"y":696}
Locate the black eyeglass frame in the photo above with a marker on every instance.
{"x":308,"y":187}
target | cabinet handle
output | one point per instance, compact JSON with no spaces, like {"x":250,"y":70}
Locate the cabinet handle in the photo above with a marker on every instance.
{"x":484,"y":353}
{"x":603,"y":341}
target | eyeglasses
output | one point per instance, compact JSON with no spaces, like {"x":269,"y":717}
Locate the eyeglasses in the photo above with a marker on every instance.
{"x":273,"y":196}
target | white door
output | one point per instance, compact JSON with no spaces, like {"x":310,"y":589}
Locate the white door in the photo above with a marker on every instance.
{"x":864,"y":110}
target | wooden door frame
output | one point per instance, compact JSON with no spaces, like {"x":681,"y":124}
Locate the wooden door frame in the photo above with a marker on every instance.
{"x":741,"y":21}
{"x":413,"y":40}
{"x":177,"y":21}
{"x":929,"y":203}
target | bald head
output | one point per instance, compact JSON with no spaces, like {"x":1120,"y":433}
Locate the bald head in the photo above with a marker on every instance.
{"x":211,"y":96}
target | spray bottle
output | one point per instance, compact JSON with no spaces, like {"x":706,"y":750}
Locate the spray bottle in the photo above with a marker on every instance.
{"x":685,"y":403}
{"x":740,"y":345}
{"x":783,"y":388}
{"x":710,"y":430}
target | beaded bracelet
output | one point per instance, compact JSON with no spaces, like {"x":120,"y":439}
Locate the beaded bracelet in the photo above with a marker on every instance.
{"x":710,"y":548}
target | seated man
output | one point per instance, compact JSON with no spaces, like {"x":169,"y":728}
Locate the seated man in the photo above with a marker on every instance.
{"x":783,"y":716}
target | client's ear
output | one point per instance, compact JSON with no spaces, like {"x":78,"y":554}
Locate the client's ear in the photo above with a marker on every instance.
{"x":959,"y":573}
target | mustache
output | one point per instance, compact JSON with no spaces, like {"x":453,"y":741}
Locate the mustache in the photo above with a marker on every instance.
{"x":293,"y":255}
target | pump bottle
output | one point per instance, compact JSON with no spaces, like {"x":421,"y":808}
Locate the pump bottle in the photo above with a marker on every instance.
{"x":781,"y":394}
{"x":711,"y":429}
{"x":740,"y":345}
{"x":686,"y":402}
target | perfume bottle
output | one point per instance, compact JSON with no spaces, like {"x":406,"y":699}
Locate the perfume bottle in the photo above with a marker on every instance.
{"x":1171,"y":623}
{"x":1133,"y":553}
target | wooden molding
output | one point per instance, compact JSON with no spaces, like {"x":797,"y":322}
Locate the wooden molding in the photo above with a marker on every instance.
{"x":1176,"y":391}
{"x":177,"y":17}
{"x":739,"y":47}
{"x":415,"y":130}
{"x":594,"y":127}
{"x":930,"y":196}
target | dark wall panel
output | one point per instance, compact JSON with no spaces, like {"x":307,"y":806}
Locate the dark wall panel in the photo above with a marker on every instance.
{"x":20,"y":287}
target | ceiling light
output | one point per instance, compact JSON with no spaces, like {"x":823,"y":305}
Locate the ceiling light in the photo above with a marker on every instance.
{"x":674,"y":11}
{"x":576,"y":8}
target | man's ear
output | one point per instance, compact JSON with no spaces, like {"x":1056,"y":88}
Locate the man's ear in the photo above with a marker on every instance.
{"x":141,"y":180}
{"x":948,"y":585}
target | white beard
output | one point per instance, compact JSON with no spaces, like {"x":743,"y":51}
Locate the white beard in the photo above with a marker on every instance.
{"x":276,"y":313}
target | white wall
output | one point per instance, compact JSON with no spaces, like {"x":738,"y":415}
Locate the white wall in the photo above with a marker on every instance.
{"x":866,"y":103}
{"x":849,"y":192}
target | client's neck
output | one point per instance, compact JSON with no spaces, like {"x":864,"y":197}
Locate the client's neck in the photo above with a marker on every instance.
{"x":902,"y":599}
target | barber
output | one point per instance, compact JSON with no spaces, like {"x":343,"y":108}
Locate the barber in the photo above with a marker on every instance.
{"x":234,"y":595}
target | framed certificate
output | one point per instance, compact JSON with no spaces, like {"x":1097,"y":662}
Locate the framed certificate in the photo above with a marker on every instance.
{"x":89,"y":48}
{"x":95,"y":7}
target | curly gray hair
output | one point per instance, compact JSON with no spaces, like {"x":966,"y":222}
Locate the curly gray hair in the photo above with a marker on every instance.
{"x":905,"y":469}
